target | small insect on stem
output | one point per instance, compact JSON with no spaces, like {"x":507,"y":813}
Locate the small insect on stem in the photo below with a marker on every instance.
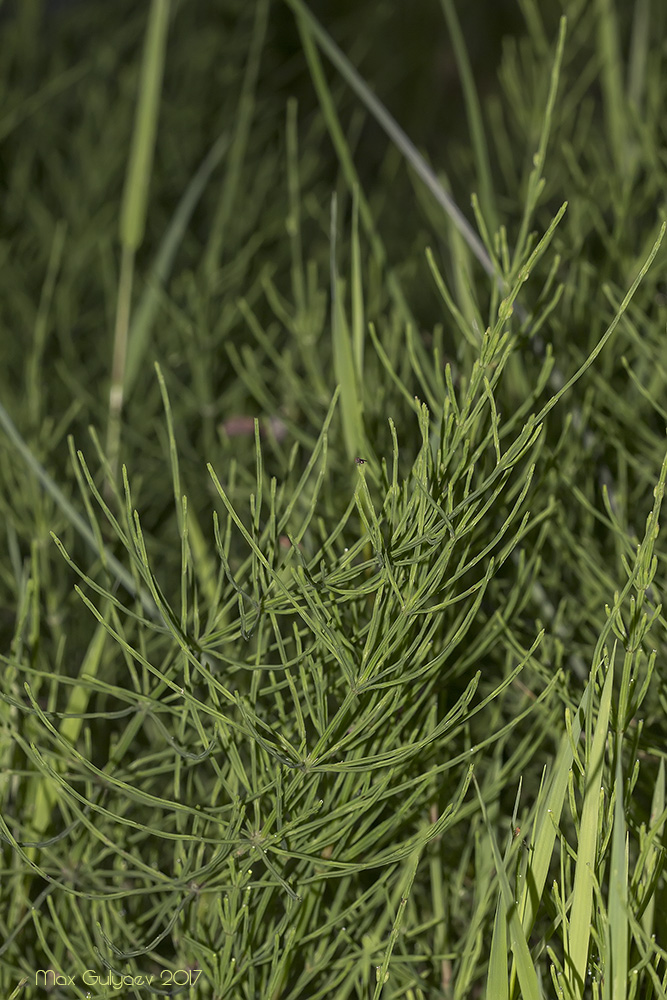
{"x":360,"y":461}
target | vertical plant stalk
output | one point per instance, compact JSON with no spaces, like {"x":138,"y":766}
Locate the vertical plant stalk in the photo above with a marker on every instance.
{"x":474,"y":115}
{"x":308,"y":24}
{"x":612,"y":83}
{"x":134,"y":207}
{"x":119,"y":360}
{"x":239,"y":143}
{"x":579,"y":930}
{"x":347,"y":374}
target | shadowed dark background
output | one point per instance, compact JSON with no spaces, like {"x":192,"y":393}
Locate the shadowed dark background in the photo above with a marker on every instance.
{"x":403,"y":49}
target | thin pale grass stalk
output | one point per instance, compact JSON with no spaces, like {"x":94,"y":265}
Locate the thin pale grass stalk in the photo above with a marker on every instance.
{"x":293,"y":222}
{"x":347,"y":374}
{"x":612,"y":83}
{"x":638,"y":59}
{"x":134,"y":208}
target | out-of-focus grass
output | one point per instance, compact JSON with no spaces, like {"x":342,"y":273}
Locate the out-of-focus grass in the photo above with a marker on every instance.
{"x":376,"y":512}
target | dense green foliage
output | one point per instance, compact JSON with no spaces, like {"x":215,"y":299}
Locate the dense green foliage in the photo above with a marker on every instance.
{"x":332,"y":650}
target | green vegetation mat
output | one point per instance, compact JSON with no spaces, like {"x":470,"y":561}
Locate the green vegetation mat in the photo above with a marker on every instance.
{"x":333,"y":402}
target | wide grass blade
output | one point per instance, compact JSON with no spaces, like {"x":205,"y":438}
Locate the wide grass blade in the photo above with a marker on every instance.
{"x":579,"y":930}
